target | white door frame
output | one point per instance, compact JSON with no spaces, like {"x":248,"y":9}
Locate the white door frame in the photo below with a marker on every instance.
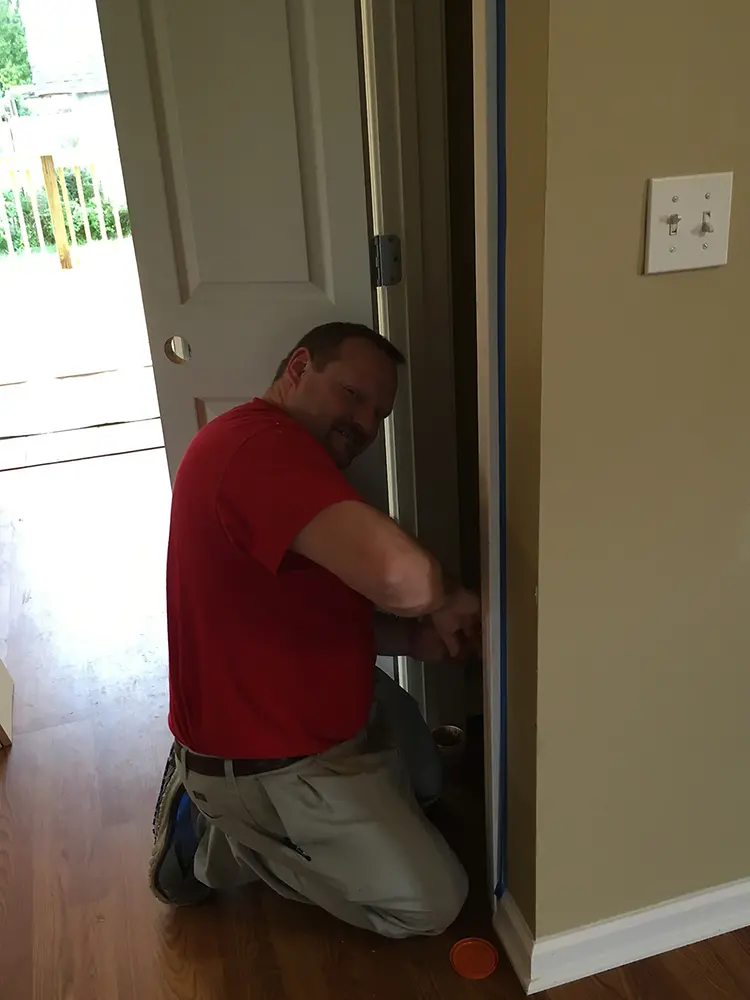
{"x":405,"y":68}
{"x":405,"y":96}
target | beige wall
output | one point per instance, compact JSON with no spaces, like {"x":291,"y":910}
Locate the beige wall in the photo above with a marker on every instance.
{"x":528,"y":26}
{"x":643,"y":669}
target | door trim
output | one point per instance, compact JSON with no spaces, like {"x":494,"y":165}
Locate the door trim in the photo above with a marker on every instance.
{"x":406,"y":110}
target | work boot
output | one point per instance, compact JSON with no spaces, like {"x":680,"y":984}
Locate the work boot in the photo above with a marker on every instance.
{"x":176,"y":839}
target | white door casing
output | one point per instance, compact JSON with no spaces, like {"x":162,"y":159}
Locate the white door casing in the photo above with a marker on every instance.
{"x":405,"y":80}
{"x":241,"y":137}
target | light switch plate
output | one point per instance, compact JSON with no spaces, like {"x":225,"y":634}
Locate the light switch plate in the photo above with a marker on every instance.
{"x":688,"y":222}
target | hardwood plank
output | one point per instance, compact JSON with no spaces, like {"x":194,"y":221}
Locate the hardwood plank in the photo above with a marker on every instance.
{"x":647,"y":980}
{"x":698,"y":967}
{"x":63,"y":848}
{"x":16,"y":923}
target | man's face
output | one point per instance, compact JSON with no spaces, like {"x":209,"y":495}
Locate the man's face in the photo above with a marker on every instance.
{"x":345,"y":403}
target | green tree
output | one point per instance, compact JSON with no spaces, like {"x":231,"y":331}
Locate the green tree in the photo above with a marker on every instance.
{"x":14,"y":55}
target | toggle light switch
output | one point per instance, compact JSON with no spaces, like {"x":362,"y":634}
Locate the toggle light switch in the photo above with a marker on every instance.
{"x":688,"y":222}
{"x":674,"y":224}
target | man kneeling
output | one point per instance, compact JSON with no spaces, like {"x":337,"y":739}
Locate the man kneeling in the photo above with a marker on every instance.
{"x":295,"y":761}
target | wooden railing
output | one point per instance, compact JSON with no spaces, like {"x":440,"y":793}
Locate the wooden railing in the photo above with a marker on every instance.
{"x":46,"y":204}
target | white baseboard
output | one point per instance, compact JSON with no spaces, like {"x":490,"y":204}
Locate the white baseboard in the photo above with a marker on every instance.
{"x":516,"y":938}
{"x":562,"y":958}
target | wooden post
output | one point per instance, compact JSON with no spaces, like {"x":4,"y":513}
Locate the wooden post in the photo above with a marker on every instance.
{"x":56,"y":211}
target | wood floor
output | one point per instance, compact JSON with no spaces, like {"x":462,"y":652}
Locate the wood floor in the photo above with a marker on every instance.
{"x":82,"y":630}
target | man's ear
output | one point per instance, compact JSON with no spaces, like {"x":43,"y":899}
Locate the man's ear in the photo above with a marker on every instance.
{"x":298,"y":364}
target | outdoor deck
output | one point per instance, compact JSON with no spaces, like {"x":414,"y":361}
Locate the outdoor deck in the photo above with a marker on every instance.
{"x":55,"y":322}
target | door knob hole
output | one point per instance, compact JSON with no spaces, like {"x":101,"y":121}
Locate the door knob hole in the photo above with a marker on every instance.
{"x":178,"y":350}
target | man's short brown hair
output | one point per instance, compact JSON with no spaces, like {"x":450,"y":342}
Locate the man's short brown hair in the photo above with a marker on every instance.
{"x":323,"y":342}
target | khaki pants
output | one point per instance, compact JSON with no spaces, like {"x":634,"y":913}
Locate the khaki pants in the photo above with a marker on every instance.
{"x":342,"y":829}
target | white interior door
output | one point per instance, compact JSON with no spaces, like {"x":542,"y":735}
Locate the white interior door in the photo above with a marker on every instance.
{"x":241,"y":136}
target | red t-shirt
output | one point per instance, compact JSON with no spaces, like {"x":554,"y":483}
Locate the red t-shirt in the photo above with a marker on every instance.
{"x":270,"y":655}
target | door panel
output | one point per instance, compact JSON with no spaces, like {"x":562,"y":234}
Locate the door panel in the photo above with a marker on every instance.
{"x":233,"y":144}
{"x":241,"y":137}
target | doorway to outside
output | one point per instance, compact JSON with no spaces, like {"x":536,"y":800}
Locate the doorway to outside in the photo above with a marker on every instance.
{"x":76,"y":380}
{"x":84,"y":488}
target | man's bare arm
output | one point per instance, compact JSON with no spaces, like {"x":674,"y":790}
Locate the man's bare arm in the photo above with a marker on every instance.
{"x":373,"y":556}
{"x":370,"y":553}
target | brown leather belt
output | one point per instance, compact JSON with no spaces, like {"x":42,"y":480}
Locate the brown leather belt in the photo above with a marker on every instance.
{"x":241,"y":766}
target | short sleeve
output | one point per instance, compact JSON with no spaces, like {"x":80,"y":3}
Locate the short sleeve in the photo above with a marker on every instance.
{"x":273,"y":486}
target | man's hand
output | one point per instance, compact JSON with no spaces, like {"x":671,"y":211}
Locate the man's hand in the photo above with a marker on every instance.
{"x":454,"y":632}
{"x":425,"y":643}
{"x":458,"y":623}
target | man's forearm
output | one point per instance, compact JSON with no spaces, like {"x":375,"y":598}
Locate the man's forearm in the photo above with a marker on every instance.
{"x":370,"y":553}
{"x":393,"y":636}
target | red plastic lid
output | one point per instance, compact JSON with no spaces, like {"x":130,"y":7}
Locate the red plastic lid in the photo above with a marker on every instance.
{"x":474,"y":958}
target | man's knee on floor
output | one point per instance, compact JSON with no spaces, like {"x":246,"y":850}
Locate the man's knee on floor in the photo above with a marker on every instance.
{"x":434,"y":911}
